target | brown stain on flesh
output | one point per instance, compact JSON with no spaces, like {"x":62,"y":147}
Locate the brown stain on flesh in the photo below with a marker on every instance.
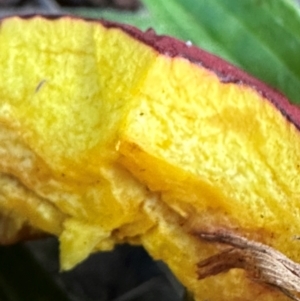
{"x":40,"y":85}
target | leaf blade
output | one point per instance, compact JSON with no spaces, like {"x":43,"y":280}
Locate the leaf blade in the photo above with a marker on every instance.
{"x":259,"y":36}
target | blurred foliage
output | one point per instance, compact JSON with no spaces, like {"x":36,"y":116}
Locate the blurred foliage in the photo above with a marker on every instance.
{"x":260,"y":36}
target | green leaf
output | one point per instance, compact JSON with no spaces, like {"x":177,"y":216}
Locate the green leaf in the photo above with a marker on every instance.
{"x":140,"y":19}
{"x":260,"y":36}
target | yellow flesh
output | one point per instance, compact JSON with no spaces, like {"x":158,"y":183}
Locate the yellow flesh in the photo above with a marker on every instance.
{"x":58,"y":93}
{"x":94,"y":119}
{"x":220,"y":153}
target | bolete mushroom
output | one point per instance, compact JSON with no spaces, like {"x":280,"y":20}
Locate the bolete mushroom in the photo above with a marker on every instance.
{"x":111,"y":135}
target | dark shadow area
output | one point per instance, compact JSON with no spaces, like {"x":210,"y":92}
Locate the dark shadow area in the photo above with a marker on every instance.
{"x":116,"y":4}
{"x":125,"y":274}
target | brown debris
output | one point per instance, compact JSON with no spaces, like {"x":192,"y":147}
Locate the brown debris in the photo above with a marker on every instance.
{"x":262,"y":263}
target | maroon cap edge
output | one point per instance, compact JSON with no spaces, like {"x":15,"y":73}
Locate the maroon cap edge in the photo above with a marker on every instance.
{"x":172,"y":47}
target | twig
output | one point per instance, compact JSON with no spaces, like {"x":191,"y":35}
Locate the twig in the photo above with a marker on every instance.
{"x":262,"y":263}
